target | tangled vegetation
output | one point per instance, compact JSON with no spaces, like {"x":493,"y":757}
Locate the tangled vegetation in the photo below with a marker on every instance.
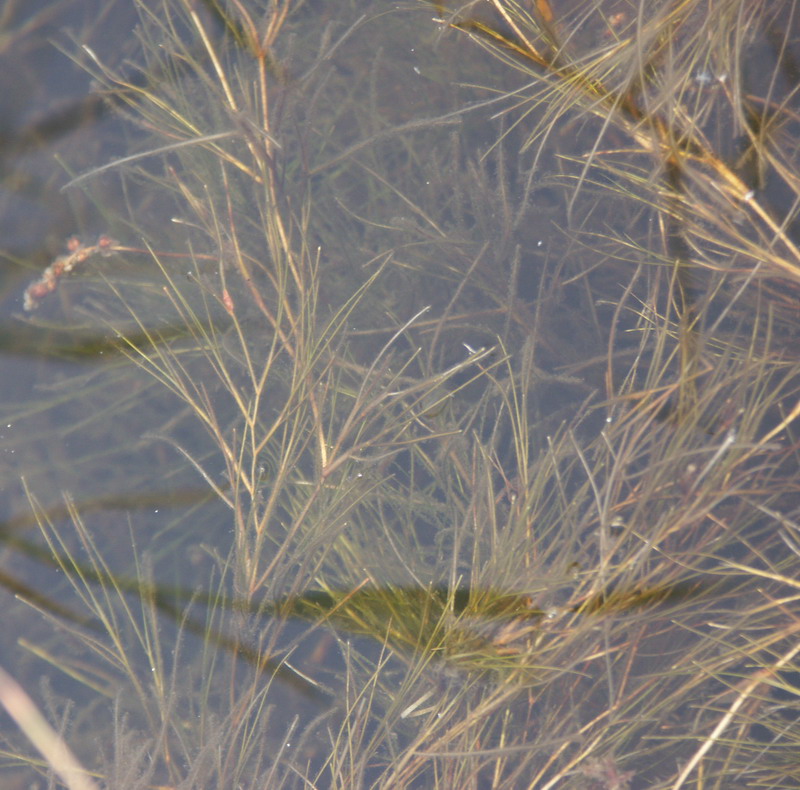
{"x":447,"y":433}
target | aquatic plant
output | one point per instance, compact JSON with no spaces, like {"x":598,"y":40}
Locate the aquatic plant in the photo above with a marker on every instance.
{"x":477,"y":405}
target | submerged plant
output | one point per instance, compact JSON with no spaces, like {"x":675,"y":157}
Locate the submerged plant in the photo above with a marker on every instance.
{"x":477,"y":433}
